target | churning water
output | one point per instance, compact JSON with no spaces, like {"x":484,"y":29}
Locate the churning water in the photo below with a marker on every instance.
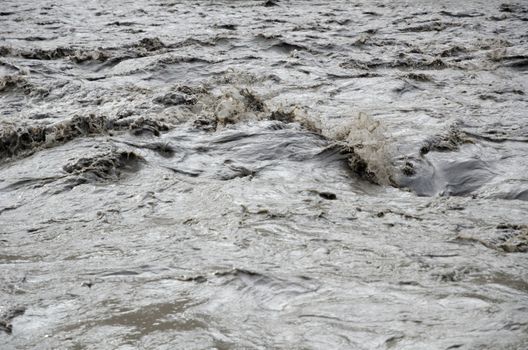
{"x":263,"y":174}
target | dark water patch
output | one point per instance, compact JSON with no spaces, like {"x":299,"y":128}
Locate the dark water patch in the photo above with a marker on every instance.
{"x":5,"y":51}
{"x":164,"y":149}
{"x":73,"y":54}
{"x":286,"y":48}
{"x":175,"y":99}
{"x":75,"y":127}
{"x":145,"y":126}
{"x":274,"y":20}
{"x":357,"y":164}
{"x":328,"y":195}
{"x":191,"y":42}
{"x":510,"y":91}
{"x":497,"y":132}
{"x":150,"y":44}
{"x":353,"y":76}
{"x":520,"y":64}
{"x":186,"y":172}
{"x":402,"y":62}
{"x":80,"y":56}
{"x":15,"y":82}
{"x":275,"y":42}
{"x":40,"y":116}
{"x":232,"y":171}
{"x":47,"y":54}
{"x":38,"y":38}
{"x":196,"y":279}
{"x":358,"y":64}
{"x":20,"y":140}
{"x":453,"y":51}
{"x":508,"y":238}
{"x":252,"y":101}
{"x":311,"y":27}
{"x":428,"y":27}
{"x":490,"y":97}
{"x":418,"y":77}
{"x":283,"y":116}
{"x":205,"y":124}
{"x":270,"y":3}
{"x":14,"y":141}
{"x":291,"y":116}
{"x":420,"y":176}
{"x":49,"y":23}
{"x":191,"y":91}
{"x":8,"y":208}
{"x":418,"y":63}
{"x":512,"y":238}
{"x":460,"y":14}
{"x":109,"y":166}
{"x":455,"y":275}
{"x":448,"y":141}
{"x":122,"y":23}
{"x":142,"y":48}
{"x":229,"y":26}
{"x":360,"y":167}
{"x":121,"y":273}
{"x":232,"y":137}
{"x":405,"y":88}
{"x":8,"y":315}
{"x":408,"y":169}
{"x":513,"y":7}
{"x":25,"y":140}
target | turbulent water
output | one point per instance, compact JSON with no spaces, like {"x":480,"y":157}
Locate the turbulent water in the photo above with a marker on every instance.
{"x":263,"y":174}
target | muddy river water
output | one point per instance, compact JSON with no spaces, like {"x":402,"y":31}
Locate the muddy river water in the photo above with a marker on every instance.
{"x":263,"y":174}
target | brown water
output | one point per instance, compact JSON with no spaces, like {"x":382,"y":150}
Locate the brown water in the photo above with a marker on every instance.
{"x":229,"y":175}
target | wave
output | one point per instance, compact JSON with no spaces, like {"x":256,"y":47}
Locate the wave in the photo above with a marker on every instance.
{"x":109,"y":166}
{"x":19,"y":141}
{"x":363,"y":140}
